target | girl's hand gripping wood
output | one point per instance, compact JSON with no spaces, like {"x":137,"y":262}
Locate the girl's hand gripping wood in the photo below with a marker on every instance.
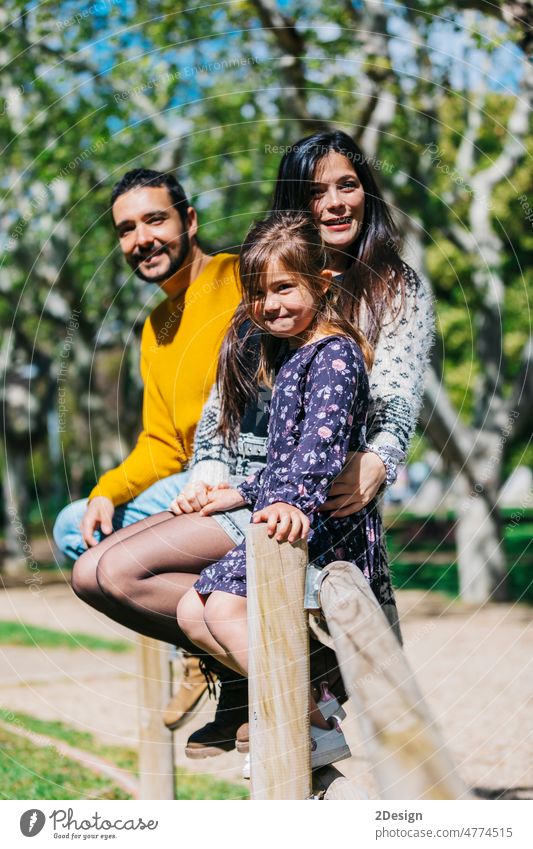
{"x":284,"y":521}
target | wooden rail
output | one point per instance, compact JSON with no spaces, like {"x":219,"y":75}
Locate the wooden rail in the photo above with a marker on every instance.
{"x":279,"y":668}
{"x":406,"y":752}
{"x":156,"y":750}
{"x":405,"y":749}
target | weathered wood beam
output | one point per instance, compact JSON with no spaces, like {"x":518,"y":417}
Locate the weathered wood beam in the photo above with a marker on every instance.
{"x":407,"y":754}
{"x":156,"y":751}
{"x":279,"y":678}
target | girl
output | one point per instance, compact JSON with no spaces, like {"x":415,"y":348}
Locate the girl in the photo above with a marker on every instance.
{"x":318,"y":414}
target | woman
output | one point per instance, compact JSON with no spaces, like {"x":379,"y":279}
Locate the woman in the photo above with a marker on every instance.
{"x":139,"y":574}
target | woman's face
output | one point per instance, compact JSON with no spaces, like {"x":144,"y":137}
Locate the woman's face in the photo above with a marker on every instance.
{"x":337,"y":201}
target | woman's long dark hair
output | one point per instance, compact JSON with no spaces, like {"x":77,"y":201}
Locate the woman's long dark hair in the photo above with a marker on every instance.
{"x":293,"y":242}
{"x":375,"y":275}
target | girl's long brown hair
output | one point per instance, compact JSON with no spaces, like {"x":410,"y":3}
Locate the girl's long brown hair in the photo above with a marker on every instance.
{"x":293,"y":242}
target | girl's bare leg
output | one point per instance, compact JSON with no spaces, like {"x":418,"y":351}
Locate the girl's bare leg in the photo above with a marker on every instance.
{"x":191,"y":620}
{"x":225,"y":619}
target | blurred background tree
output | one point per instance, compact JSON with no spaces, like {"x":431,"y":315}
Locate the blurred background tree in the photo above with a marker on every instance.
{"x":438,"y":95}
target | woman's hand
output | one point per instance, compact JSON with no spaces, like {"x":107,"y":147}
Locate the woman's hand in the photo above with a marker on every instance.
{"x":191,"y":499}
{"x":284,"y":520}
{"x":358,"y":483}
{"x":222,"y":497}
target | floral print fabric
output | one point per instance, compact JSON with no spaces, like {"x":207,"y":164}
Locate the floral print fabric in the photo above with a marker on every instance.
{"x":318,"y":414}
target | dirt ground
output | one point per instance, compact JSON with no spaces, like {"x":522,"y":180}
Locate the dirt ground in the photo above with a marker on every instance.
{"x":473,"y":665}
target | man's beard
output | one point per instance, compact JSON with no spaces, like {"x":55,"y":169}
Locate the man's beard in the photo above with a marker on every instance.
{"x":175,"y":264}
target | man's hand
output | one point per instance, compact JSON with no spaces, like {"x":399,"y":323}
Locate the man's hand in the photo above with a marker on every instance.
{"x":284,"y":521}
{"x":99,"y":514}
{"x":357,"y":484}
{"x":222,"y":497}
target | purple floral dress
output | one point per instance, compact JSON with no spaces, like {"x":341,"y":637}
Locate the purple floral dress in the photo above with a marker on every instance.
{"x":318,"y":414}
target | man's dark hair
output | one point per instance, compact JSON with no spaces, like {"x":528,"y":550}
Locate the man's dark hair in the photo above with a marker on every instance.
{"x":141,"y":177}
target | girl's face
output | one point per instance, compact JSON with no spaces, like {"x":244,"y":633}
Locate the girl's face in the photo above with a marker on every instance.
{"x":286,"y":307}
{"x":337,"y":201}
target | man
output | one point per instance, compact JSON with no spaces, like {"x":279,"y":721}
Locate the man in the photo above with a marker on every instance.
{"x":157,"y":232}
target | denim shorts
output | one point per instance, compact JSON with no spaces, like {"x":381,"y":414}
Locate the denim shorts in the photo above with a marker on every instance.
{"x":234,"y":522}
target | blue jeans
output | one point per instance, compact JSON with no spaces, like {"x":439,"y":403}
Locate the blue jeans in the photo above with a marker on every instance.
{"x":67,"y":534}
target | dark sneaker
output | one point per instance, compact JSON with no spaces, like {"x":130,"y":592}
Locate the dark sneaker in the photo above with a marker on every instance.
{"x":328,"y":705}
{"x":328,"y":745}
{"x":218,"y":736}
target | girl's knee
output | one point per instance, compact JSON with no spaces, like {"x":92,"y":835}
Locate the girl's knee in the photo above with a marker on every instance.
{"x":190,"y":615}
{"x":223,"y":613}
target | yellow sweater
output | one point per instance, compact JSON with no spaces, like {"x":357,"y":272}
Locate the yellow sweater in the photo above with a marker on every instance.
{"x":179,"y":352}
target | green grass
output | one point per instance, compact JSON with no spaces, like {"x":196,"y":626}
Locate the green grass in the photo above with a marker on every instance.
{"x":17,"y":634}
{"x":18,"y":754}
{"x":191,"y":786}
{"x":120,"y":756}
{"x":31,"y":772}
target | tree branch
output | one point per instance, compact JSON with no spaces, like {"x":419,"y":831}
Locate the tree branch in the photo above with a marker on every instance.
{"x":291,"y":67}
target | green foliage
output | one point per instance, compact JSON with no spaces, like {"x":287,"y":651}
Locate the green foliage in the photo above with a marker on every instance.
{"x":209,"y":92}
{"x":423,"y":555}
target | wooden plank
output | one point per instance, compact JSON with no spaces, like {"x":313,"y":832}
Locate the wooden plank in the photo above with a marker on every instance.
{"x":407,"y":754}
{"x":278,"y":668}
{"x":156,"y":751}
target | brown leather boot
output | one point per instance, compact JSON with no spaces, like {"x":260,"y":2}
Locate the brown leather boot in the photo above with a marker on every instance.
{"x":192,"y":693}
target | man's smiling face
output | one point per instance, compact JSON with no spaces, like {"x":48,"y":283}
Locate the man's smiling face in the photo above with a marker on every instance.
{"x":154,"y":239}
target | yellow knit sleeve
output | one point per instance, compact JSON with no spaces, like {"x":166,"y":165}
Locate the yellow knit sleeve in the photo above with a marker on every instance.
{"x":158,"y":452}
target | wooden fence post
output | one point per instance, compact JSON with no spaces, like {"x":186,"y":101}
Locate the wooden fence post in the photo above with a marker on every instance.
{"x":278,"y":668}
{"x":407,"y":754}
{"x":156,"y":750}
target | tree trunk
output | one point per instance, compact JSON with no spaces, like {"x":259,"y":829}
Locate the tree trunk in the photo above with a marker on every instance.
{"x":480,"y":554}
{"x":17,"y":550}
